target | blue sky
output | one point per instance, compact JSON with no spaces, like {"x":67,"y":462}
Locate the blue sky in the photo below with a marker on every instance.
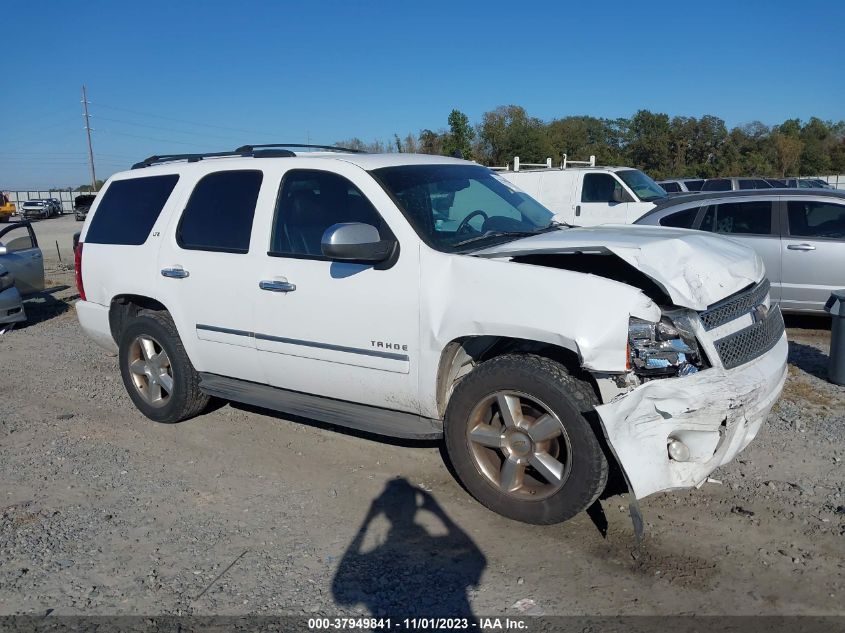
{"x":186,"y":76}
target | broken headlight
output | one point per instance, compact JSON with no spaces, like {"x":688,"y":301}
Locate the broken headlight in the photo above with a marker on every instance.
{"x":661,"y":349}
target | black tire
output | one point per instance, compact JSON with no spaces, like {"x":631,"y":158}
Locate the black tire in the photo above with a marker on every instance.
{"x":186,"y":400}
{"x":567,"y":397}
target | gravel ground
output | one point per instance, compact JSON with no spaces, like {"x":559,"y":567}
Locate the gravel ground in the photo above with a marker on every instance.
{"x":244,"y":512}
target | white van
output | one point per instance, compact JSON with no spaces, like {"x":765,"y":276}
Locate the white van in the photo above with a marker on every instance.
{"x":586,"y":195}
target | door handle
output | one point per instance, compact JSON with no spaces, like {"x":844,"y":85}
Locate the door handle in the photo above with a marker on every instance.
{"x":577,"y":209}
{"x":276,"y":285}
{"x":801,"y":247}
{"x":177,"y":272}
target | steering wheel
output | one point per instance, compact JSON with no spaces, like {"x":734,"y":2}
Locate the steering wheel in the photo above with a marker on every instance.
{"x":464,"y":225}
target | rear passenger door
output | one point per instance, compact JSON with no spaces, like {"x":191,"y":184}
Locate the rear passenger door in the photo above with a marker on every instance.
{"x":206,"y":270}
{"x":813,"y":251}
{"x":753,"y":223}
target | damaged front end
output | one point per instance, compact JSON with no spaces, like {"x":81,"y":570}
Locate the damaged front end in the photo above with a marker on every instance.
{"x":697,"y":391}
{"x":659,"y":350}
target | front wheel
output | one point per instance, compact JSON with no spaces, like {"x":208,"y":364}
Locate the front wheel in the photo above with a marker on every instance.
{"x":156,"y":370}
{"x":519,"y":441}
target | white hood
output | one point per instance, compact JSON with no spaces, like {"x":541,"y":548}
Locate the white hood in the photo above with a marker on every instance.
{"x":695,"y":269}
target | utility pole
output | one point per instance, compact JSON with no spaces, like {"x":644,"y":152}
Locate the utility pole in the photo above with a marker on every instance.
{"x":90,"y":148}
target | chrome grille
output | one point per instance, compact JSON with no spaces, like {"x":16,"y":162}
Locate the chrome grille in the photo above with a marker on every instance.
{"x":741,"y":347}
{"x":735,"y":306}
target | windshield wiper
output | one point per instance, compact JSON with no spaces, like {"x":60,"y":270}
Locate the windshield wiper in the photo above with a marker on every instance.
{"x":492,"y":234}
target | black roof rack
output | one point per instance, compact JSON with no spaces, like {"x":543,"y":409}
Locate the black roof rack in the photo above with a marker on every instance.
{"x":270,"y":150}
{"x":332,"y":148}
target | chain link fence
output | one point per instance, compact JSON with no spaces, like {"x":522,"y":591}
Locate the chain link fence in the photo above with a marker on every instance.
{"x":65,"y":197}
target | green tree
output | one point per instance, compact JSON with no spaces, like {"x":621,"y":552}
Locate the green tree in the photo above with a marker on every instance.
{"x":507,"y":132}
{"x":818,"y":141}
{"x":461,"y":134}
{"x":650,"y":142}
{"x":431,"y":142}
{"x":99,"y":185}
{"x":788,"y":149}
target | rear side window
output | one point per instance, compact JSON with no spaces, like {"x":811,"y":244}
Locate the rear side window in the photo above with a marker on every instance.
{"x":694,"y":185}
{"x":739,"y":218}
{"x":716,"y":184}
{"x":816,"y":219}
{"x":129,"y":209}
{"x":219,"y":213}
{"x":748,"y":184}
{"x":681,"y":220}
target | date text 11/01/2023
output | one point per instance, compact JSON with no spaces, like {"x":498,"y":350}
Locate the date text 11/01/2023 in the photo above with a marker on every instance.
{"x":422,"y":624}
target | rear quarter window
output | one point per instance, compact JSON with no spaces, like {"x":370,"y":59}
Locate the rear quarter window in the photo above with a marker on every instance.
{"x":129,"y":209}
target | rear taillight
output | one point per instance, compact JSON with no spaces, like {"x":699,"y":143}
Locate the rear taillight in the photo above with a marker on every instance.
{"x":77,"y":263}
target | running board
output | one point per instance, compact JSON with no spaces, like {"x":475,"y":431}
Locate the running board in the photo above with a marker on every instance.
{"x":361,"y":417}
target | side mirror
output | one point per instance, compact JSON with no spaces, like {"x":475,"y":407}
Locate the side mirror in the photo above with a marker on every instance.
{"x":356,"y":242}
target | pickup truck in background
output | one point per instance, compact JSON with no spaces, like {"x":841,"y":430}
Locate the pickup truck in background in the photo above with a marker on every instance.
{"x":587,"y":194}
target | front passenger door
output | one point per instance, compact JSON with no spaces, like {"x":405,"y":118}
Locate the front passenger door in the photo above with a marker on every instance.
{"x":597,"y":205}
{"x":23,"y":258}
{"x":344,"y":330}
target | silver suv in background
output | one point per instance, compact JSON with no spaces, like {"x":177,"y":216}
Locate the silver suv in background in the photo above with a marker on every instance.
{"x":799,"y":233}
{"x":735,"y":184}
{"x":681,"y":185}
{"x":807,"y":183}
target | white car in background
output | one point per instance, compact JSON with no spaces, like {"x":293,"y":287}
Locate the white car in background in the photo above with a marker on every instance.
{"x":586,"y":194}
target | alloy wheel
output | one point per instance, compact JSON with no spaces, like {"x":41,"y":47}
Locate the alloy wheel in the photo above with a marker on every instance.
{"x":151,"y":371}
{"x":519,"y":444}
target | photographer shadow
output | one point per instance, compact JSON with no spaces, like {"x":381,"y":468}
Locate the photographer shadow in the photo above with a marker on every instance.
{"x":422,"y":564}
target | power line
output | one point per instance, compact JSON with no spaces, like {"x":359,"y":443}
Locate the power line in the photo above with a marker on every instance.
{"x":150,"y":138}
{"x":170,"y":129}
{"x":165,"y":118}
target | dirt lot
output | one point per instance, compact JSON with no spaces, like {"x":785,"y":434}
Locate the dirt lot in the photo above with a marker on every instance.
{"x":241,"y":511}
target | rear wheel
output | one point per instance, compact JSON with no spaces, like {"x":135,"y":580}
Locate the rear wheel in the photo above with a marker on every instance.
{"x":156,"y":370}
{"x":518,"y":439}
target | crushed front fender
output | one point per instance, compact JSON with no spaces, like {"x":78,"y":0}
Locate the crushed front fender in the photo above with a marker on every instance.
{"x":716,"y":413}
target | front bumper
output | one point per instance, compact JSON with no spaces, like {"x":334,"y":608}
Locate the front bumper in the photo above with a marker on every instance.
{"x":11,"y":306}
{"x":715,"y":412}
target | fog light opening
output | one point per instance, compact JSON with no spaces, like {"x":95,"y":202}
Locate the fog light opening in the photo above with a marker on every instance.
{"x":678,"y":450}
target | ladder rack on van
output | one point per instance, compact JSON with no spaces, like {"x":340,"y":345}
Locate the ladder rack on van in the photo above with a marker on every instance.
{"x":565,"y":162}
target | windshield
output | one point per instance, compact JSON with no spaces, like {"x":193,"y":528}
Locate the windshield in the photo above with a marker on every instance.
{"x":455,"y":208}
{"x":644,"y":187}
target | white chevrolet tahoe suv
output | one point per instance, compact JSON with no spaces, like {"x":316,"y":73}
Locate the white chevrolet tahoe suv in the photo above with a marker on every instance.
{"x":426,"y":297}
